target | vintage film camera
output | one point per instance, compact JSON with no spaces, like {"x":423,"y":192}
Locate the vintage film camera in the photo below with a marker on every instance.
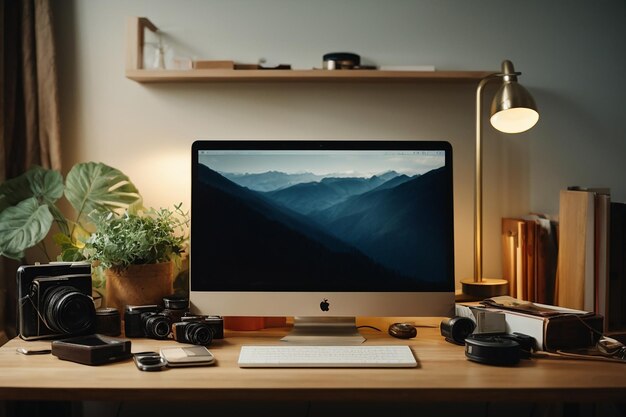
{"x":146,"y":321}
{"x":54,"y":300}
{"x":198,"y":330}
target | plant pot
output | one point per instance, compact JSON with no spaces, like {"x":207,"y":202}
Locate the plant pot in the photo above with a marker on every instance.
{"x":138,"y":285}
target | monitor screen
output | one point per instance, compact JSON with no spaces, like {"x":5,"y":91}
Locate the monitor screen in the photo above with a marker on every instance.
{"x":278,"y":226}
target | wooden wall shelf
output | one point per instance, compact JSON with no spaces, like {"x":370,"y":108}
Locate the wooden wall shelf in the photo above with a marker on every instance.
{"x":136,"y":26}
{"x":222,"y":75}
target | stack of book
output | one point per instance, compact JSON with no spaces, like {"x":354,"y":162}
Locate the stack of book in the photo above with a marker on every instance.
{"x":581,"y":264}
{"x":529,"y":255}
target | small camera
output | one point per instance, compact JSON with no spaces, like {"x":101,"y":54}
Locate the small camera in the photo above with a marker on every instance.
{"x":198,"y":330}
{"x":146,"y":321}
{"x":55,"y":300}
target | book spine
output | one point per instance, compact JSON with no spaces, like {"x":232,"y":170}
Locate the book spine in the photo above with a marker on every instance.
{"x":575,"y":281}
{"x":531,"y":258}
{"x":617,"y":267}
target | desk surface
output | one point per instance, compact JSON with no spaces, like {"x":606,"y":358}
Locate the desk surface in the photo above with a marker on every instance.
{"x":443,"y":373}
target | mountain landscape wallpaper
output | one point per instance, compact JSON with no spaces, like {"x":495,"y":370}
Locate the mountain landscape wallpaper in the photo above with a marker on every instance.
{"x":322,"y":221}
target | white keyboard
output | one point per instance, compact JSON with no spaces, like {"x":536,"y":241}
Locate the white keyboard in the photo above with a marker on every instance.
{"x":297,"y":356}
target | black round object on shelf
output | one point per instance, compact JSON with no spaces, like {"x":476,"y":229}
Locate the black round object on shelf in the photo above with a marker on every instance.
{"x":341,"y":60}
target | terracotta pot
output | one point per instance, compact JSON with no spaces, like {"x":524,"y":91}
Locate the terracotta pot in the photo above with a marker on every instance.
{"x":138,"y":285}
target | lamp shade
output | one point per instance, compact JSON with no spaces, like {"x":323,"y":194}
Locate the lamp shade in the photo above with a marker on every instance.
{"x":513,"y":109}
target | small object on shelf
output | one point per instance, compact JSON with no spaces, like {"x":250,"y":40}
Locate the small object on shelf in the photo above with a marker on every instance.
{"x":407,"y":68}
{"x":247,"y":66}
{"x":275,"y":67}
{"x":341,"y":60}
{"x":181,"y":63}
{"x":213,"y":65}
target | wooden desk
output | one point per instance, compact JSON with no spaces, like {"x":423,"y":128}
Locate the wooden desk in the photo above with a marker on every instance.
{"x":443,"y":374}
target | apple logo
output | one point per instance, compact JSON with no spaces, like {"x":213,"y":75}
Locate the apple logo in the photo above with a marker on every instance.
{"x":324,"y":305}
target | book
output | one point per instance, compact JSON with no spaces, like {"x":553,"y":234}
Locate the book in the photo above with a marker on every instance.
{"x":552,"y":327}
{"x":530,"y":253}
{"x":529,"y":257}
{"x":546,"y":260}
{"x":576,"y":276}
{"x":601,"y":255}
{"x":513,"y":265}
{"x":617,"y":267}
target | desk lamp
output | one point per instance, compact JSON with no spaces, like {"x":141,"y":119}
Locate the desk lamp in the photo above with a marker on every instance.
{"x":513,"y":110}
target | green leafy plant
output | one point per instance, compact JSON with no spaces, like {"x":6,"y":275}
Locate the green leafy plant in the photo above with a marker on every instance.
{"x":150,"y":237}
{"x":28,"y":206}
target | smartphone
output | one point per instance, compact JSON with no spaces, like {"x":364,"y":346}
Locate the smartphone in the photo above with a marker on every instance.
{"x":149,"y":361}
{"x":188,"y":356}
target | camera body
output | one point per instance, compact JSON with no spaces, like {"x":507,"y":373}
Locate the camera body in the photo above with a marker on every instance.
{"x":198,"y":330}
{"x":146,"y":321}
{"x":54,"y":300}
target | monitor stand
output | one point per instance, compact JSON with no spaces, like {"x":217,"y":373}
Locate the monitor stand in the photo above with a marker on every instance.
{"x":324,"y":331}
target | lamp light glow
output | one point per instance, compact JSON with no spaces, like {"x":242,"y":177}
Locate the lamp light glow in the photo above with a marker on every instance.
{"x":516,"y":120}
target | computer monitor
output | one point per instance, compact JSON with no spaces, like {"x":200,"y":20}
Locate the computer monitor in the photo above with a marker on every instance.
{"x":322,"y":228}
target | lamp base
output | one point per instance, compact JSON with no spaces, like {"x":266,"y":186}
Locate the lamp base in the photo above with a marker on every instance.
{"x":486,"y":288}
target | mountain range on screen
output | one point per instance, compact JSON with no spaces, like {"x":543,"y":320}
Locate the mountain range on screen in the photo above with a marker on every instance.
{"x":324,"y":233}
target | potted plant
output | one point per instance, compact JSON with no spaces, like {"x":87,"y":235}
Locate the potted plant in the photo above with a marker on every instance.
{"x":29,"y":207}
{"x":137,"y":251}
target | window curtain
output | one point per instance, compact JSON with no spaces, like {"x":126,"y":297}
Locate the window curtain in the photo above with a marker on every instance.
{"x":29,"y":110}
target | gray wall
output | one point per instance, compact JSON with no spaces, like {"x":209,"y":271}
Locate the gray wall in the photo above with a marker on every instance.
{"x":572,"y":55}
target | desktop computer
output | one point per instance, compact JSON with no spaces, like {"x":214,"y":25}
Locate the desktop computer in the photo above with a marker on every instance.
{"x":323,"y":231}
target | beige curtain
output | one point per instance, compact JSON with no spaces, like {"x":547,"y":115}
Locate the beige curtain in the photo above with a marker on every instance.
{"x":29,"y":109}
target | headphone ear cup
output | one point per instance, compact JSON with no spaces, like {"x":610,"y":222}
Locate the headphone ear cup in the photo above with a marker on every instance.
{"x":457,"y":329}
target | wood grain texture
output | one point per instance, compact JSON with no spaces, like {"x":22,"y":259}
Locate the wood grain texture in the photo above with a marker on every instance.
{"x":225,"y":75}
{"x":575,"y":277}
{"x":443,"y":373}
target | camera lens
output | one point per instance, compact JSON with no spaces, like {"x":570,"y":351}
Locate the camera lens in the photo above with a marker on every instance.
{"x":66,"y":310}
{"x":157,"y":326}
{"x":175,"y":307}
{"x":199,"y":334}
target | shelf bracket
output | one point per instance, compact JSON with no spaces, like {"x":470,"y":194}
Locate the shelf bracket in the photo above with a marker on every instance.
{"x":135,"y":29}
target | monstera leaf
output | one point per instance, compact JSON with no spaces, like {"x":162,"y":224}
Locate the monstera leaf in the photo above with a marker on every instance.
{"x":95,"y":186}
{"x":23,"y":226}
{"x":46,"y":185}
{"x":13,"y":191}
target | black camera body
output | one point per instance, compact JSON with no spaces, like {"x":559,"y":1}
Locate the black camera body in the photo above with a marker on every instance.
{"x":146,"y":321}
{"x":198,"y":330}
{"x":54,"y":300}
